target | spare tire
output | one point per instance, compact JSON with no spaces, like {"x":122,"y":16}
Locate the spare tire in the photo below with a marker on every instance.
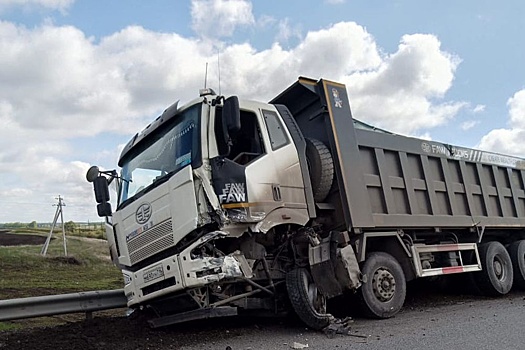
{"x":321,"y":168}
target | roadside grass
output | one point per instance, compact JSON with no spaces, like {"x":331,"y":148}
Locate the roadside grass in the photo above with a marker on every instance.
{"x":98,"y":232}
{"x":25,"y":272}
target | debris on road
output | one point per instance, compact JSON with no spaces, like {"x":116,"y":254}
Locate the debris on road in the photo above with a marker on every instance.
{"x":338,"y":326}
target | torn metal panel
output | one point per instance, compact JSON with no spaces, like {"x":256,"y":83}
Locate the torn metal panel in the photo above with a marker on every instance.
{"x":347,"y":268}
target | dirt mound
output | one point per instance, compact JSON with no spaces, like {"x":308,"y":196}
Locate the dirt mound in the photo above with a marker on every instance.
{"x":11,"y":239}
{"x":70,"y":260}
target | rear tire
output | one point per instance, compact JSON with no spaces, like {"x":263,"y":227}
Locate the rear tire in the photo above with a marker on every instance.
{"x":383,"y":294}
{"x":321,"y":168}
{"x":517,"y":256}
{"x":496,"y":276}
{"x":309,"y":304}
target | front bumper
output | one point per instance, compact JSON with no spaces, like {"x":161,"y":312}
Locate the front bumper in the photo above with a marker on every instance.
{"x":180,"y":272}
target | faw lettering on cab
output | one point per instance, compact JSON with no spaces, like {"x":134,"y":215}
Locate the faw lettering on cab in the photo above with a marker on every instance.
{"x":233,"y":193}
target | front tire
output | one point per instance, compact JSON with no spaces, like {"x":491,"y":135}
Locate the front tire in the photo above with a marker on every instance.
{"x":384,"y":292}
{"x":496,"y":276}
{"x":307,"y":301}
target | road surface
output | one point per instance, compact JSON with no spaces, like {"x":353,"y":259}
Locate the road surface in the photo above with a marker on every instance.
{"x":430,"y":320}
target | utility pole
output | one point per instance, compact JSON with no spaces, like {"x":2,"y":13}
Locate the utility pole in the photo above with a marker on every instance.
{"x":57,"y":213}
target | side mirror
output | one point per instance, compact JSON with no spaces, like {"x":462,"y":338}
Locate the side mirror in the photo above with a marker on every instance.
{"x":92,"y":173}
{"x":231,"y":114}
{"x":101,"y":187}
{"x":104,"y":209}
{"x":229,"y":123}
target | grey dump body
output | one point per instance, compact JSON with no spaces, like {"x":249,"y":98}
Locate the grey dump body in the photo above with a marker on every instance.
{"x":386,"y":181}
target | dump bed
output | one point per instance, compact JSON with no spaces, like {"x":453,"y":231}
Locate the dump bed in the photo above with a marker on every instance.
{"x":389,"y":181}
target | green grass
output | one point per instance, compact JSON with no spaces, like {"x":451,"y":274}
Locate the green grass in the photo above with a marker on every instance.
{"x":24,"y":272}
{"x":99,"y":232}
{"x":9,"y":326}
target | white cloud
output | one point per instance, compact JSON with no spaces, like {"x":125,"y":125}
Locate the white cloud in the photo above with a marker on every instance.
{"x":479,"y":109}
{"x":509,"y":141}
{"x":401,"y":94}
{"x":50,"y":4}
{"x":57,"y":85}
{"x":335,"y":2}
{"x":469,"y":124}
{"x":516,"y":106}
{"x":287,"y":31}
{"x":220,"y":18}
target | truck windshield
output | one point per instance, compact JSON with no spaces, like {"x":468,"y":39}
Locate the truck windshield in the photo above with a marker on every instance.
{"x":162,"y":154}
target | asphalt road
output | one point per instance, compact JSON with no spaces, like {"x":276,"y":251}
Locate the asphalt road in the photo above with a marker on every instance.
{"x":430,"y":320}
{"x":450,"y":323}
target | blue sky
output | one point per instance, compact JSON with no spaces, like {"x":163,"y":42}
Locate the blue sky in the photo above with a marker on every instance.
{"x":78,"y":78}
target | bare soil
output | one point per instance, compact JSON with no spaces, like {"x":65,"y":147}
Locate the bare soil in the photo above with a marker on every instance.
{"x":11,"y":239}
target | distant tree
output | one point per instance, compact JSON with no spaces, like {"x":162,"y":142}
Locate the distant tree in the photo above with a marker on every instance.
{"x":32,"y":224}
{"x":70,"y":226}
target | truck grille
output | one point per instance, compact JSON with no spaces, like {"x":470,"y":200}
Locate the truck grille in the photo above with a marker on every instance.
{"x":150,"y":242}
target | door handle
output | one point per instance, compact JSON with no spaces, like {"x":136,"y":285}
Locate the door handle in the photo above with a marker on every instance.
{"x":276,"y":190}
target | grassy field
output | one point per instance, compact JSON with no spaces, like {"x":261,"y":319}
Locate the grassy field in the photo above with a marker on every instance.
{"x":99,"y":232}
{"x":25,"y":272}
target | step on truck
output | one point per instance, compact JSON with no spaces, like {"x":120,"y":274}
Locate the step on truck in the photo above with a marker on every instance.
{"x":228,"y":206}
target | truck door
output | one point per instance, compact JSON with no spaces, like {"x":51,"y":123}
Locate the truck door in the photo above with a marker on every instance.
{"x":285,"y":160}
{"x":261,"y":172}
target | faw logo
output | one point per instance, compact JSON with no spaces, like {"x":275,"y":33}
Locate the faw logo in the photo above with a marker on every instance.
{"x":233,"y":193}
{"x":143,"y":213}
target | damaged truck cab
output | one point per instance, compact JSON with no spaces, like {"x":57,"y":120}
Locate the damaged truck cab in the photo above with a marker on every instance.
{"x":212,"y":213}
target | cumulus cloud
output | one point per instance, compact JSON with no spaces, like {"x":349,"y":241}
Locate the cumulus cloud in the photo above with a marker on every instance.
{"x":220,"y":18}
{"x":403,"y":93}
{"x":509,"y":140}
{"x":469,"y":124}
{"x":287,"y":31}
{"x":58,"y":86}
{"x":479,"y":109}
{"x":50,"y":4}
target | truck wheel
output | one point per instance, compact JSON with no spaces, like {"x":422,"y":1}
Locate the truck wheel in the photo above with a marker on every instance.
{"x":517,"y":256}
{"x":321,"y":168}
{"x":309,"y":304}
{"x":496,"y":276}
{"x":383,"y":293}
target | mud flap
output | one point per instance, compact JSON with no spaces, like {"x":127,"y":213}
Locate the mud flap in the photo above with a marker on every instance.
{"x":333,"y":269}
{"x":322,"y":266}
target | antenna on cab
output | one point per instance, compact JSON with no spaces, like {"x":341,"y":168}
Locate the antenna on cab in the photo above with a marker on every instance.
{"x":206,"y":75}
{"x":219,"y":67}
{"x":206,"y":91}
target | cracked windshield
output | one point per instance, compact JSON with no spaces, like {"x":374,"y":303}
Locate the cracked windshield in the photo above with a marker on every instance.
{"x":163,"y":154}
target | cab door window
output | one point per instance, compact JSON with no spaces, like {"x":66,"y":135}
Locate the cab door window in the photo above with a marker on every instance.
{"x":246,"y":144}
{"x":276,"y":131}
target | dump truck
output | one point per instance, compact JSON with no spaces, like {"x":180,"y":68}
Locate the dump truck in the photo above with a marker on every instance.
{"x":228,"y":206}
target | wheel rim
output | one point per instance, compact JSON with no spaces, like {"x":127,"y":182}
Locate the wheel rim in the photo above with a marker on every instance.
{"x":499,"y":269}
{"x":316,"y":299}
{"x":383,"y":284}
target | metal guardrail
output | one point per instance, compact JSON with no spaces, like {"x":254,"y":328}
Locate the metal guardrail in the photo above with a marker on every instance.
{"x":14,"y":309}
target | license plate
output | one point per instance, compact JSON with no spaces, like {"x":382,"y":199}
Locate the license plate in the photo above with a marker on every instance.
{"x":154,"y":273}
